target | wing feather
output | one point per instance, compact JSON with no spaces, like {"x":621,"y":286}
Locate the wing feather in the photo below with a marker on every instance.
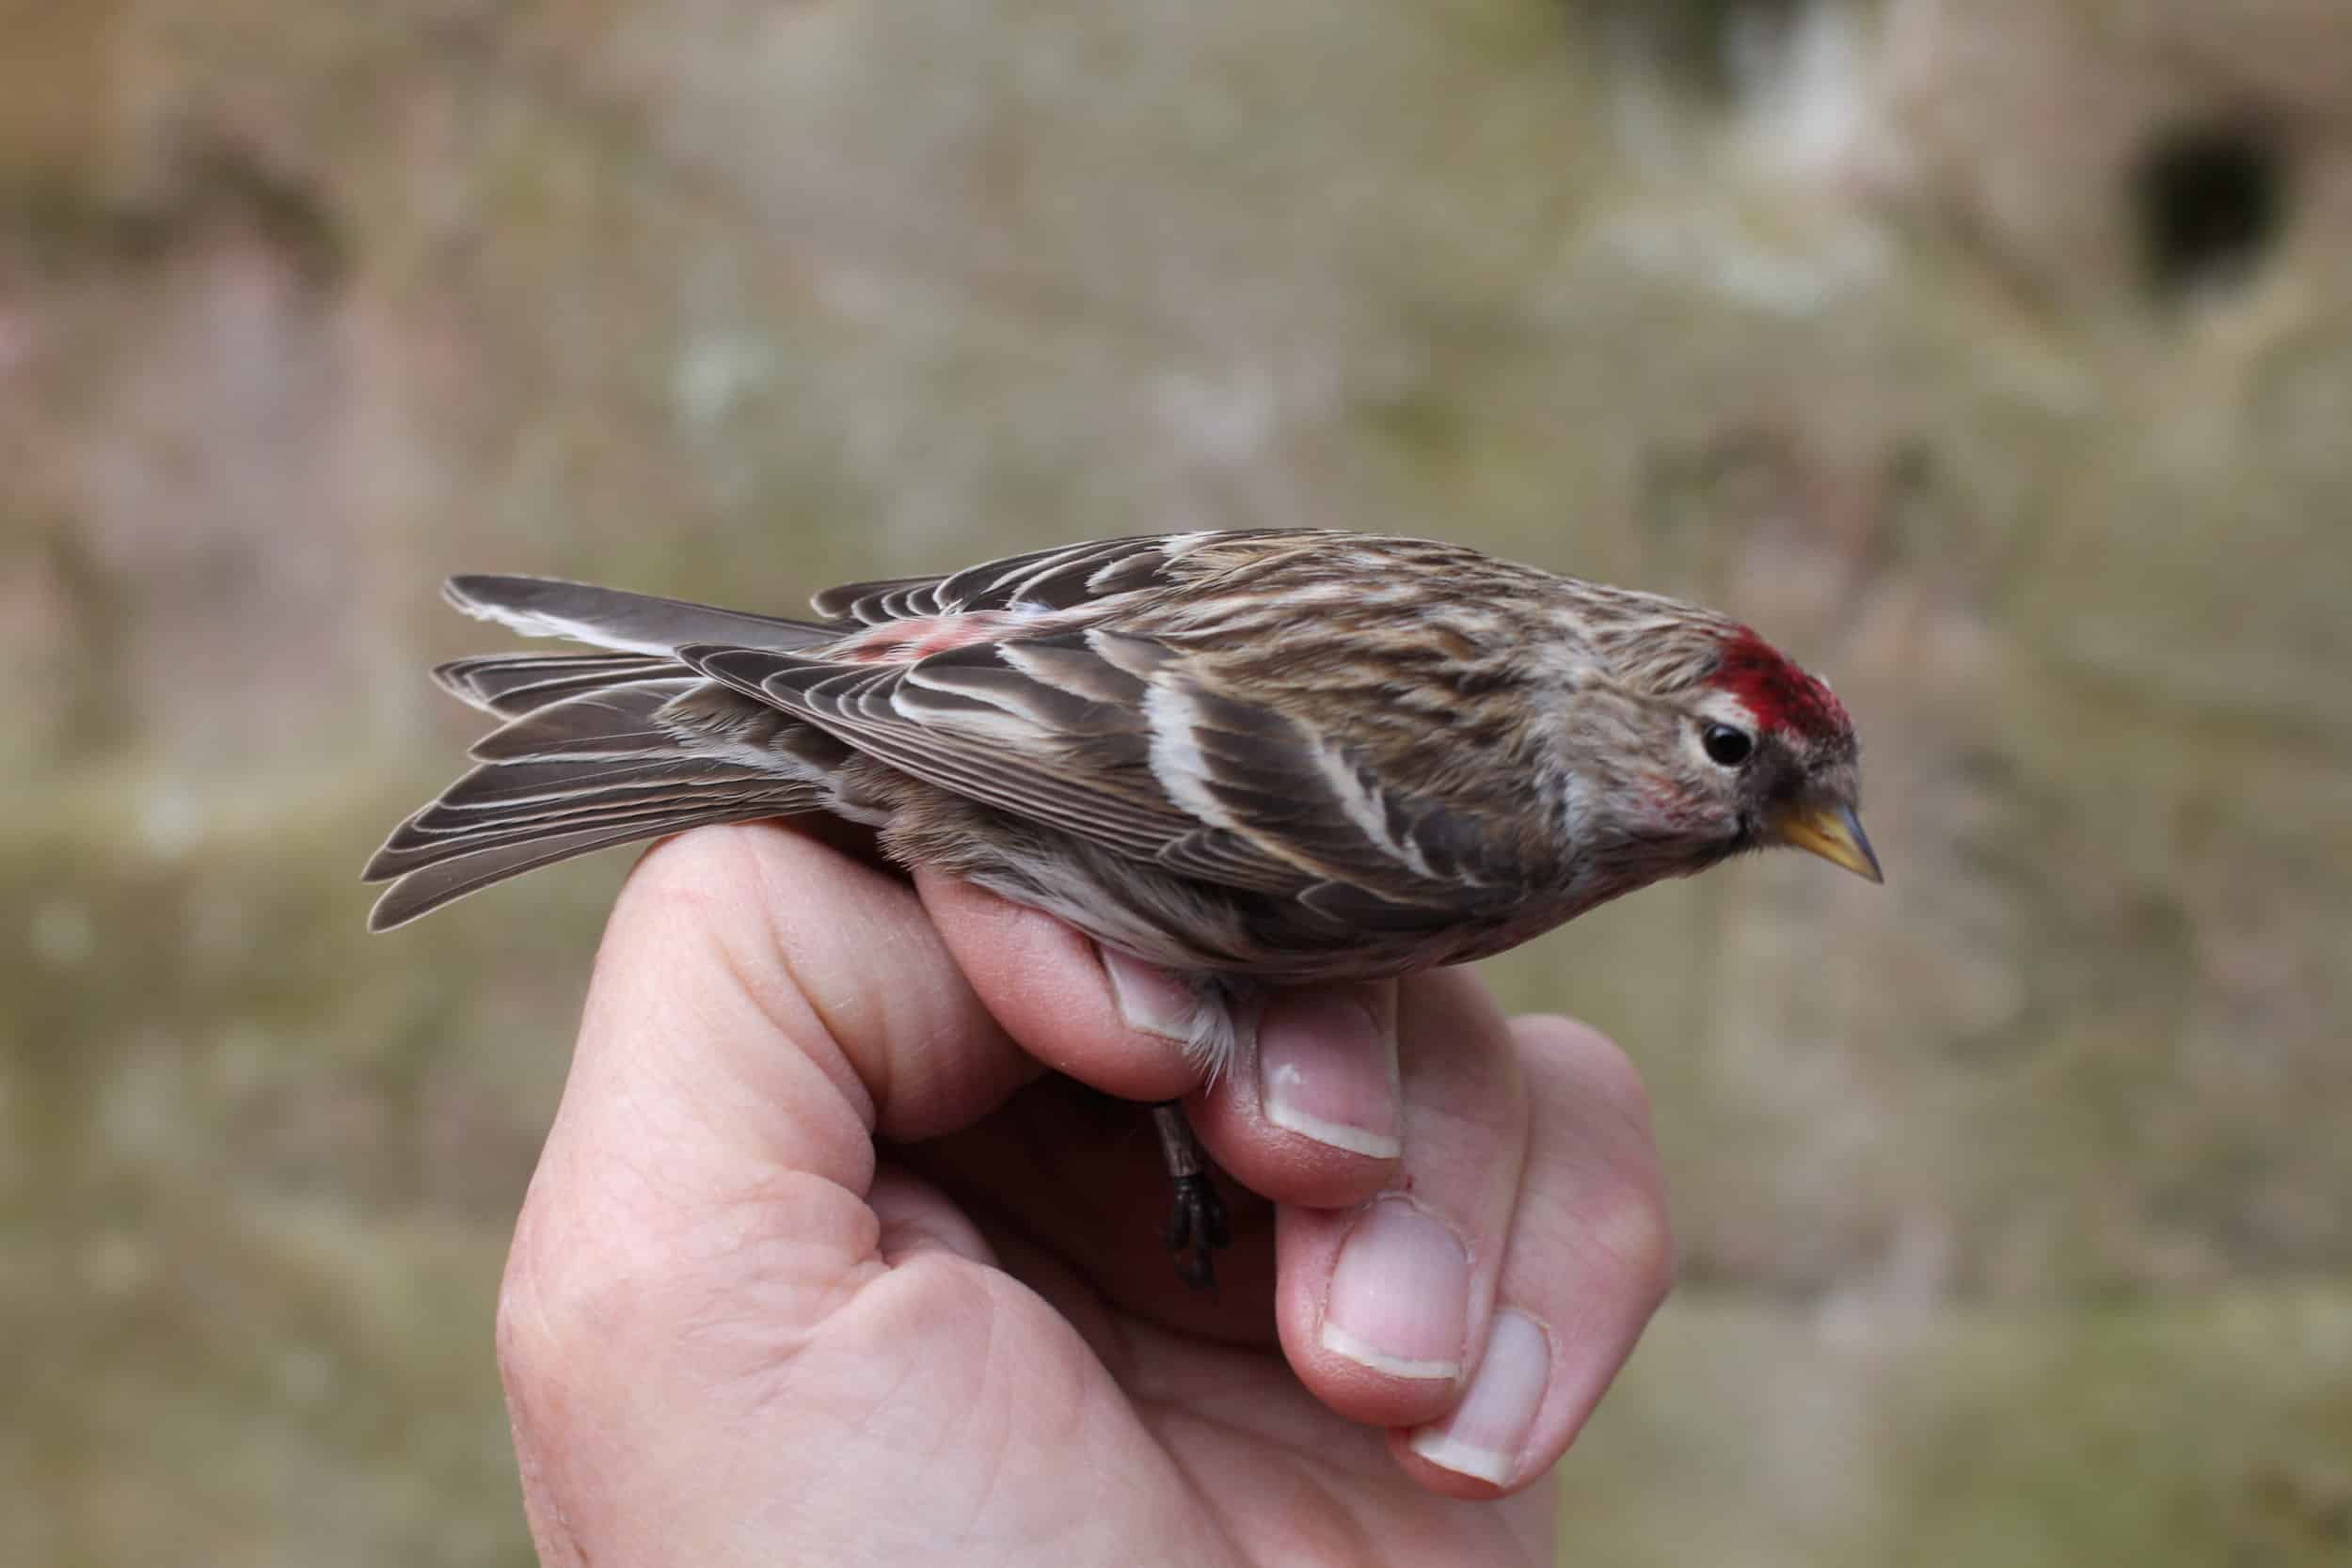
{"x":1059,"y":579}
{"x":997,"y":760}
{"x":1107,"y":737}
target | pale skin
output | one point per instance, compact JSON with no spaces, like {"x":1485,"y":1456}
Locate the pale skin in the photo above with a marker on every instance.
{"x":822,"y":1265}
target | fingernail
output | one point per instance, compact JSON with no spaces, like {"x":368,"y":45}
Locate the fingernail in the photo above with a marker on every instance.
{"x":1486,"y":1432}
{"x":1399,"y":1301}
{"x":1327,"y":1070}
{"x":1149,"y":997}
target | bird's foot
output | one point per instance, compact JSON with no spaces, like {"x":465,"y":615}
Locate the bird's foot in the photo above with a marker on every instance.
{"x":1196,"y":1228}
{"x":1196,"y":1223}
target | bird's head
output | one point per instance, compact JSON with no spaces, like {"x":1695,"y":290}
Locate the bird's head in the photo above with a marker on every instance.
{"x":1740,"y":749}
{"x":1783,"y":764}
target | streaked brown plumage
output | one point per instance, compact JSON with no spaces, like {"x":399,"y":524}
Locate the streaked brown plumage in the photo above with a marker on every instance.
{"x":1276,"y":755}
{"x":1282,"y":755}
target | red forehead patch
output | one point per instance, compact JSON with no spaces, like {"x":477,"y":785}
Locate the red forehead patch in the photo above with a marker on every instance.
{"x":1776,"y":693}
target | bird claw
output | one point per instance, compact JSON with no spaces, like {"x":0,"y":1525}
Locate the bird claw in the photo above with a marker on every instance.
{"x":1197,"y":1228}
{"x":1197,"y":1225}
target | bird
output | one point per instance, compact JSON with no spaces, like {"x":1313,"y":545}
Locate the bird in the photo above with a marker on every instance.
{"x":1251,"y":757}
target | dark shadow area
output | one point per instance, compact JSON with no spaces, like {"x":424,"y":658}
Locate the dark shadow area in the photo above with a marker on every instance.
{"x":2212,"y":203}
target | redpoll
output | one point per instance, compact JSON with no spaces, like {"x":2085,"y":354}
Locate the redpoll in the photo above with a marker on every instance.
{"x":1263,"y":756}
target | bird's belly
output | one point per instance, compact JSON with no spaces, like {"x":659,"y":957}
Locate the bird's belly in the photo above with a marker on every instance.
{"x":1196,"y":928}
{"x":1201,"y":927}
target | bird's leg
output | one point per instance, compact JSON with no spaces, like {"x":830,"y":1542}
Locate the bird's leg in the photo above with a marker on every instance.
{"x":1205,"y":1014}
{"x":1196,"y":1224}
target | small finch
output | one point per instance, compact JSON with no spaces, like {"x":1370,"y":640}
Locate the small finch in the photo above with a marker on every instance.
{"x":1249,"y":758}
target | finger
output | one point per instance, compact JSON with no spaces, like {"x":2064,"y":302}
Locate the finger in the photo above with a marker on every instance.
{"x":1049,"y":987}
{"x":1381,"y":1307}
{"x":1305,"y":1109}
{"x":1587,"y":1261}
{"x":1312,"y":1111}
{"x":1076,"y":1173}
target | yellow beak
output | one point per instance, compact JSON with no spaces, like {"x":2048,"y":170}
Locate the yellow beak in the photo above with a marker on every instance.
{"x":1834,"y":834}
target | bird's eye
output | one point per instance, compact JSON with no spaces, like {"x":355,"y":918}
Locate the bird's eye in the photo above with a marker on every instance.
{"x":1726,"y":746}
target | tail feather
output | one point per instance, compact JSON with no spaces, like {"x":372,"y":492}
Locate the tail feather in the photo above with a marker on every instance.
{"x":644,"y":817}
{"x":505,"y":789}
{"x":443,"y":831}
{"x":511,"y":685}
{"x":609,"y":721}
{"x":422,"y":890}
{"x":606,"y":758}
{"x":598,"y":749}
{"x":637,"y":760}
{"x":498,"y":827}
{"x":628,"y":623}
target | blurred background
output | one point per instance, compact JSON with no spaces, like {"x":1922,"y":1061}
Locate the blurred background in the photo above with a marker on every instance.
{"x":1994,"y":355}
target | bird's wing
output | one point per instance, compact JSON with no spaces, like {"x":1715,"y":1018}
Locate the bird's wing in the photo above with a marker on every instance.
{"x":1118,"y":740}
{"x":1062,"y":578}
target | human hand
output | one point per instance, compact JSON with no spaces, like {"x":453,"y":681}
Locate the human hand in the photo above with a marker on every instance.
{"x":822,"y":1265}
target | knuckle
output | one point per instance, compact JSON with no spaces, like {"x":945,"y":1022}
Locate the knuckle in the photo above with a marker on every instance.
{"x":1585,"y":1068}
{"x":1617,"y":1083}
{"x":1599,"y":1108}
{"x":539,"y":1328}
{"x":568,"y":1307}
{"x":692,"y":872}
{"x":1632,"y":1231}
{"x":669,"y":866}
